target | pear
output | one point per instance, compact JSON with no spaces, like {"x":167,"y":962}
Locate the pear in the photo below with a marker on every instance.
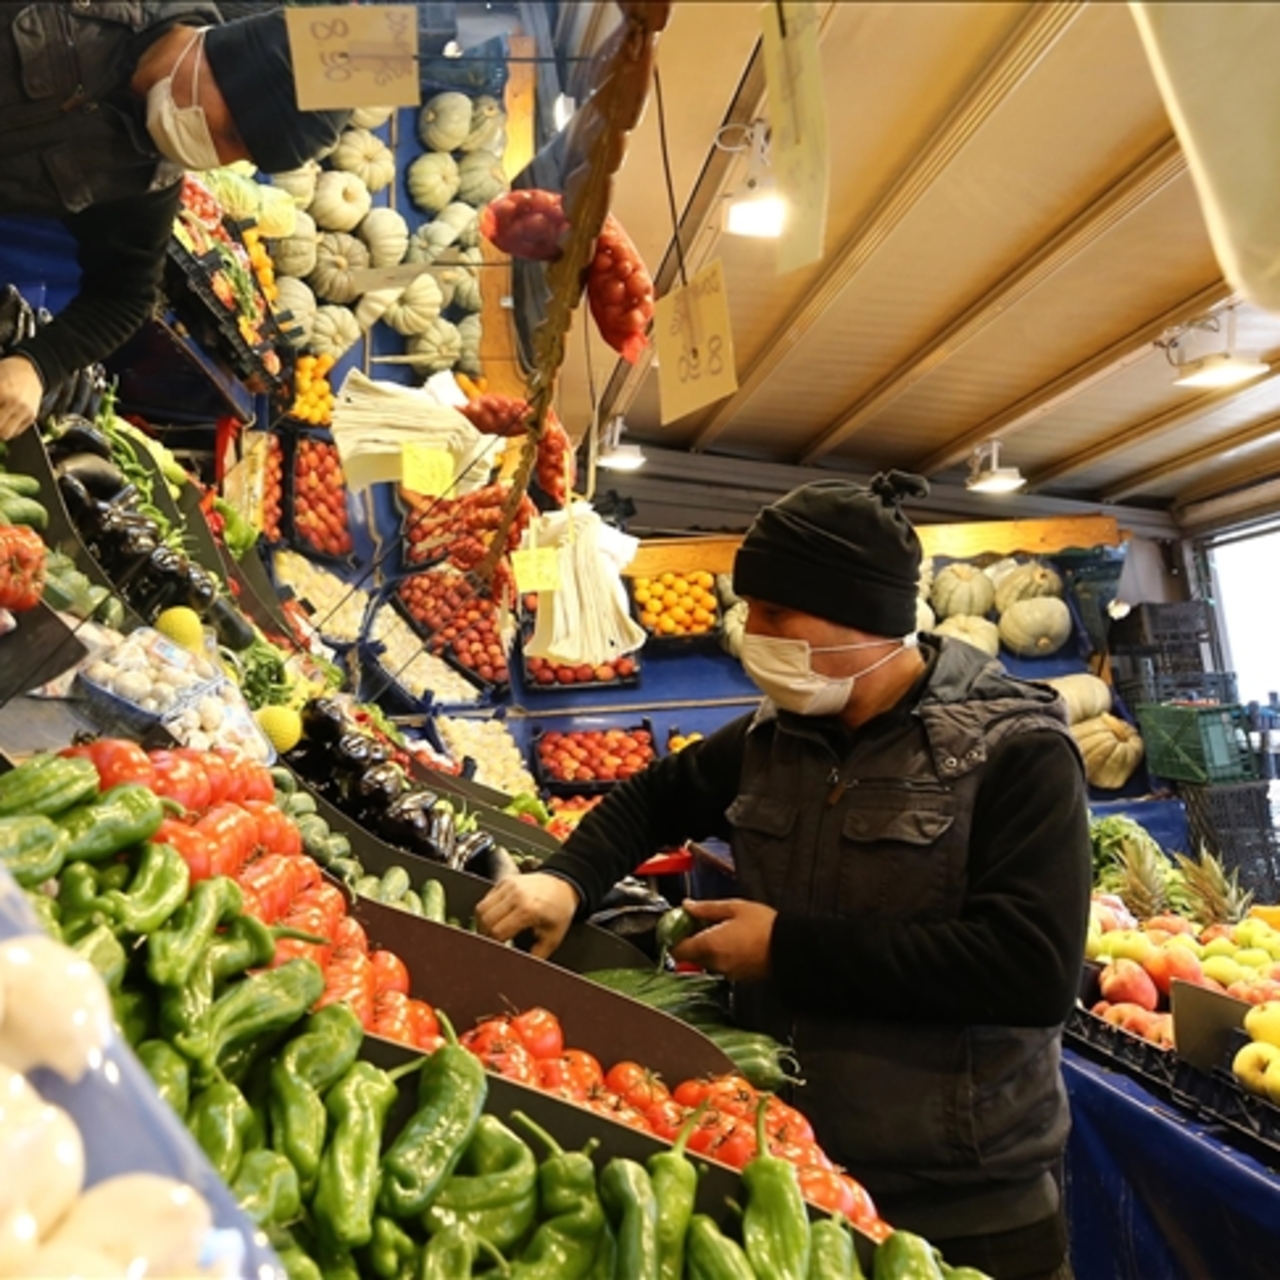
{"x":1223,"y":969}
{"x":1219,"y":946}
{"x":1252,"y":932}
{"x":1251,"y":1064}
{"x":1271,"y":1081}
{"x":1093,"y":944}
{"x":1262,"y":1022}
{"x":1254,"y":957}
{"x":1129,"y":944}
{"x":1187,"y":942}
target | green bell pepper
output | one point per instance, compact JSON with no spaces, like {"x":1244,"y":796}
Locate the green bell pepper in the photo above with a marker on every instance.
{"x":124,"y":816}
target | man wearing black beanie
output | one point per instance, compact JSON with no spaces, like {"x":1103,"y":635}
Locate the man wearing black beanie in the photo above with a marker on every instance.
{"x":910,"y":835}
{"x":102,"y":106}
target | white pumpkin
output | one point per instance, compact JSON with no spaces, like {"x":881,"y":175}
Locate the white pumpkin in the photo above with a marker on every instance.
{"x":445,"y":122}
{"x":1086,"y":696}
{"x":469,"y":331}
{"x":1112,"y":750}
{"x":488,"y":121}
{"x":416,"y":307}
{"x":371,"y":117}
{"x":440,"y":344}
{"x":467,"y":295}
{"x":373,"y":306}
{"x":432,"y":180}
{"x":335,"y":331}
{"x":337,"y":256}
{"x":973,"y":630}
{"x":481,"y":178}
{"x":1035,"y":628}
{"x":1026,"y":582}
{"x":299,"y":183}
{"x":386,"y":235}
{"x":367,"y":156}
{"x":341,"y":201}
{"x":960,"y":588}
{"x":295,"y":255}
{"x":295,"y":297}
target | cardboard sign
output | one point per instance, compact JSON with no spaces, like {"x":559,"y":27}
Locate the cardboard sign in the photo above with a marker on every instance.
{"x":536,"y":568}
{"x":347,"y":55}
{"x":798,"y":120}
{"x":696,"y":364}
{"x":1203,"y":1021}
{"x":425,"y":470}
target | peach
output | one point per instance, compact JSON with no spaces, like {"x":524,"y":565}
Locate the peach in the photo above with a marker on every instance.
{"x":1126,"y":981}
{"x":1173,"y":962}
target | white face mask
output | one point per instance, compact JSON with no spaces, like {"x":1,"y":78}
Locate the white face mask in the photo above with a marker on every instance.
{"x":181,"y":134}
{"x":782,"y":669}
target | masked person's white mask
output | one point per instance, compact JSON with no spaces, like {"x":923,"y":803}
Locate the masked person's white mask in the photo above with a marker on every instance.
{"x":782,"y":669}
{"x":181,"y":134}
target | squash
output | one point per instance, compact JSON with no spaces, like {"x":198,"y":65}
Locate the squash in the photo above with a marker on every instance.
{"x":369,"y":158}
{"x":341,"y":201}
{"x":415,"y":309}
{"x":337,"y":256}
{"x":277,"y":214}
{"x":960,"y":588}
{"x":469,"y":331}
{"x":924,"y":616}
{"x":481,"y":178}
{"x":440,"y":345}
{"x":373,"y":306}
{"x":488,"y":120}
{"x":924,"y":583}
{"x":295,"y":297}
{"x":443,"y":124}
{"x":433,"y":181}
{"x":463,"y":220}
{"x":299,"y":183}
{"x":1035,"y":628}
{"x":466,"y":291}
{"x":1086,"y":696}
{"x":295,"y":255}
{"x":371,"y":117}
{"x":978,"y":632}
{"x":1026,"y":582}
{"x":1112,"y":749}
{"x":335,"y":332}
{"x":386,"y":235}
{"x":429,"y":241}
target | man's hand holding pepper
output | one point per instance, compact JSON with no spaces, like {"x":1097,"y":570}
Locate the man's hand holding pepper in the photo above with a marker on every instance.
{"x":735,"y":941}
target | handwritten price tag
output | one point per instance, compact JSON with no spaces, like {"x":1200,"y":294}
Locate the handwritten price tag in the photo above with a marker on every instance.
{"x":426,"y":471}
{"x":536,"y":569}
{"x":348,"y":55}
{"x":696,"y":364}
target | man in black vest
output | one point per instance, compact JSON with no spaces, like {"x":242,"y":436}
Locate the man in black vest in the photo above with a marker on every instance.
{"x":910,"y":835}
{"x":102,"y":106}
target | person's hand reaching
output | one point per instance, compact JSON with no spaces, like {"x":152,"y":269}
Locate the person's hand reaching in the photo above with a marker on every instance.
{"x":20,"y":392}
{"x":546,"y":904}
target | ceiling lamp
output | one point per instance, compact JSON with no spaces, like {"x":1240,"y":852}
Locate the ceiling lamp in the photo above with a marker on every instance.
{"x":1226,"y":368}
{"x":755,"y":208}
{"x":986,"y":475}
{"x":616,"y":456}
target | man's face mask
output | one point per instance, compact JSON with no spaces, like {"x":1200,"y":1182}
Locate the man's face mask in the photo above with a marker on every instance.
{"x":782,"y":669}
{"x":181,"y":134}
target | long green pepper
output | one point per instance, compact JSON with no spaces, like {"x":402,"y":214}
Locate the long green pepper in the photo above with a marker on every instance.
{"x":831,"y":1252}
{"x":631,"y":1207}
{"x":134,"y":1013}
{"x":219,"y":1119}
{"x":158,"y":888}
{"x":169,"y":1073}
{"x":905,"y":1256}
{"x":675,"y":1184}
{"x":392,"y":1253}
{"x":775,"y":1226}
{"x":711,"y":1255}
{"x":124,"y":816}
{"x":174,"y":951}
{"x":32,"y":848}
{"x":452,"y":1254}
{"x":47,"y":784}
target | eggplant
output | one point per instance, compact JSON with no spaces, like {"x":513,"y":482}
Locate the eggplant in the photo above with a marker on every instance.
{"x":323,"y":720}
{"x":406,"y":821}
{"x":75,"y":434}
{"x":353,"y":752}
{"x":161,"y":580}
{"x":489,"y":860}
{"x":232,"y":629}
{"x":79,"y":502}
{"x":10,"y":304}
{"x":474,"y":845}
{"x":200,"y":593}
{"x":444,"y":831}
{"x":102,"y":478}
{"x":82,"y":389}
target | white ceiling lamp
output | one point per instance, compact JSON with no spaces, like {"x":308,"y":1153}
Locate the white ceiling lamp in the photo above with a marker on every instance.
{"x":755,"y":208}
{"x":986,"y":475}
{"x":1225,"y":368}
{"x":616,"y":456}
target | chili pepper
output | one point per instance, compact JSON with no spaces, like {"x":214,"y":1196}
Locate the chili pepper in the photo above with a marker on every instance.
{"x":196,"y":849}
{"x":266,"y":1187}
{"x":32,"y":848}
{"x":169,"y":1073}
{"x":135,"y":1015}
{"x":46,"y":911}
{"x":174,"y":951}
{"x":494,"y":1189}
{"x":47,"y":784}
{"x":125,"y":815}
{"x":309,"y":1064}
{"x":606,"y":1256}
{"x":180,"y":778}
{"x":712,"y":1255}
{"x":102,"y":949}
{"x":565,"y":1245}
{"x":626,"y":1192}
{"x":219,"y":1119}
{"x":392,"y":1252}
{"x":158,"y":888}
{"x":233,"y":835}
{"x":347,"y":1184}
{"x":299,"y":1265}
{"x":904,"y":1256}
{"x":451,"y":1093}
{"x":182,"y":1008}
{"x":260,"y":1005}
{"x":775,"y":1226}
{"x":246,"y":943}
{"x":831,"y":1252}
{"x":675,"y":1184}
{"x":451,"y":1254}
{"x":78,"y":900}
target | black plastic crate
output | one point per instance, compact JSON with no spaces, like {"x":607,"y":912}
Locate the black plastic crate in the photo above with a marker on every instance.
{"x":1150,"y":685}
{"x":1180,"y":661}
{"x":1255,"y":858}
{"x":1213,"y":811}
{"x":1197,"y":743}
{"x":1156,"y":625}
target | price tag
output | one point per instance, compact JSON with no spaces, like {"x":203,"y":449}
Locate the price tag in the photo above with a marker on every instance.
{"x":696,"y":364}
{"x":536,"y":569}
{"x":348,"y":55}
{"x":797,"y":114}
{"x":425,"y":470}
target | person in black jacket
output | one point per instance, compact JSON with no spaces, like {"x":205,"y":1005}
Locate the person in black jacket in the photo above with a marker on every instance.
{"x":102,"y":106}
{"x":910,"y":838}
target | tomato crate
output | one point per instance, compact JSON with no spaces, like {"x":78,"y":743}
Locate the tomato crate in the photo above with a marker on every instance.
{"x":552,"y":771}
{"x":1197,"y":743}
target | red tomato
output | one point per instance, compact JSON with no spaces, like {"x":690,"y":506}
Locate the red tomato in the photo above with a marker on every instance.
{"x":349,"y":980}
{"x":489,"y":1032}
{"x":837,"y":1193}
{"x":307,"y":919}
{"x":583,"y":1068}
{"x":636,"y":1084}
{"x":257,"y":782}
{"x":390,"y":973}
{"x":804,"y":1155}
{"x":556,"y":1076}
{"x":350,"y":935}
{"x":233,"y":834}
{"x":392,"y":1016}
{"x":511,"y":1059}
{"x":117,"y":762}
{"x":277,"y":832}
{"x":271,"y":880}
{"x":786,"y":1123}
{"x":735,"y":1146}
{"x":218,"y":771}
{"x":539,"y":1031}
{"x":426,"y":1026}
{"x":689,"y":1093}
{"x":734,"y":1095}
{"x":197,"y":850}
{"x":180,"y":779}
{"x":666,"y":1118}
{"x":328,"y":899}
{"x":710,"y":1127}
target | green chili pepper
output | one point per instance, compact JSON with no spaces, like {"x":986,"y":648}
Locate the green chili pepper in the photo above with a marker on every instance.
{"x":169,"y":1073}
{"x":32,"y":848}
{"x":565,"y":1245}
{"x":79,"y":902}
{"x":675,"y":1184}
{"x":114,"y":875}
{"x":124,"y":816}
{"x":102,"y":949}
{"x":174,"y":951}
{"x":266,"y":1187}
{"x":775,"y":1226}
{"x":960,"y":1273}
{"x":451,"y":1095}
{"x":246,"y":943}
{"x":307,"y":1066}
{"x":135,"y":1015}
{"x":451,"y":1254}
{"x":46,"y":911}
{"x":626,"y":1193}
{"x":904,"y":1256}
{"x":347,"y":1185}
{"x":158,"y":888}
{"x":831,"y":1252}
{"x":47,"y":784}
{"x":606,"y":1256}
{"x":299,"y":1265}
{"x":712,"y":1255}
{"x":494,"y":1190}
{"x":219,"y":1118}
{"x":392,"y":1252}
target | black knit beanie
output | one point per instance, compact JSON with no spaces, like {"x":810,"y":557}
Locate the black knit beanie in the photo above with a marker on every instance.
{"x":251,"y":63}
{"x":838,"y":551}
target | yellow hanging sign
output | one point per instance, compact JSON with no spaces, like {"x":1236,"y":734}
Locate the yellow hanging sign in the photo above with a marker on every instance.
{"x":425,"y":470}
{"x":696,"y":364}
{"x":354,"y":55}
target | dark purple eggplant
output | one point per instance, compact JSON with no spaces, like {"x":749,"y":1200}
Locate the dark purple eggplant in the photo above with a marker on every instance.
{"x":323,"y":720}
{"x":201,"y":591}
{"x":75,"y":434}
{"x":407,"y":822}
{"x":489,"y":859}
{"x":232,"y":629}
{"x":354,"y":752}
{"x":444,"y":831}
{"x":102,"y":478}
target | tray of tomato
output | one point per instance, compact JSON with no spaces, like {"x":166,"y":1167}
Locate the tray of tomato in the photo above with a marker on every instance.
{"x":319,"y":499}
{"x":589,"y":761}
{"x":545,"y":675}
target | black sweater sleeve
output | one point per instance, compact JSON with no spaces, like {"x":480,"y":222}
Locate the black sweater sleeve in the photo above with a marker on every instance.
{"x":681,"y":797}
{"x":121,"y":252}
{"x":1012,"y":957}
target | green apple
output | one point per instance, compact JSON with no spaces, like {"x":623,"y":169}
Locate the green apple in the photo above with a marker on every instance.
{"x":1252,"y":932}
{"x":1186,"y":941}
{"x":1254,"y":957}
{"x":1262,"y":1022}
{"x":1129,"y":944}
{"x":1093,"y":944}
{"x":1272,"y":945}
{"x":1252,"y":1064}
{"x":1224,"y":969}
{"x":1218,"y":947}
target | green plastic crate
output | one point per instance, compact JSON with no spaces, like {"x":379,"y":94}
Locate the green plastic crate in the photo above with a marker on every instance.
{"x":1197,"y":743}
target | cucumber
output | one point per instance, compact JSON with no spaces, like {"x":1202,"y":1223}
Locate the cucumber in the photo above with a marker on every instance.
{"x":394,"y":885}
{"x":339,"y":844}
{"x":301,"y":802}
{"x":285,"y":783}
{"x":16,"y":509}
{"x":411,"y":903}
{"x":368,"y":887}
{"x":433,"y":900}
{"x":25,"y":486}
{"x":346,"y":869}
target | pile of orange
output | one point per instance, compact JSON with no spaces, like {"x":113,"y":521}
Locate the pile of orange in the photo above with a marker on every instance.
{"x":677,"y":604}
{"x":260,"y":261}
{"x":313,"y":396}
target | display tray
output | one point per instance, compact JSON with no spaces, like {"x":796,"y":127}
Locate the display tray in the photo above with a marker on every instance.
{"x":538,"y":688}
{"x":297,"y":538}
{"x":709,"y":639}
{"x":580,"y":787}
{"x":493,"y":690}
{"x":39,"y":649}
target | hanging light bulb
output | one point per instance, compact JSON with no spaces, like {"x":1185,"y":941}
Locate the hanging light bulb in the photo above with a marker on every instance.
{"x":756,"y":208}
